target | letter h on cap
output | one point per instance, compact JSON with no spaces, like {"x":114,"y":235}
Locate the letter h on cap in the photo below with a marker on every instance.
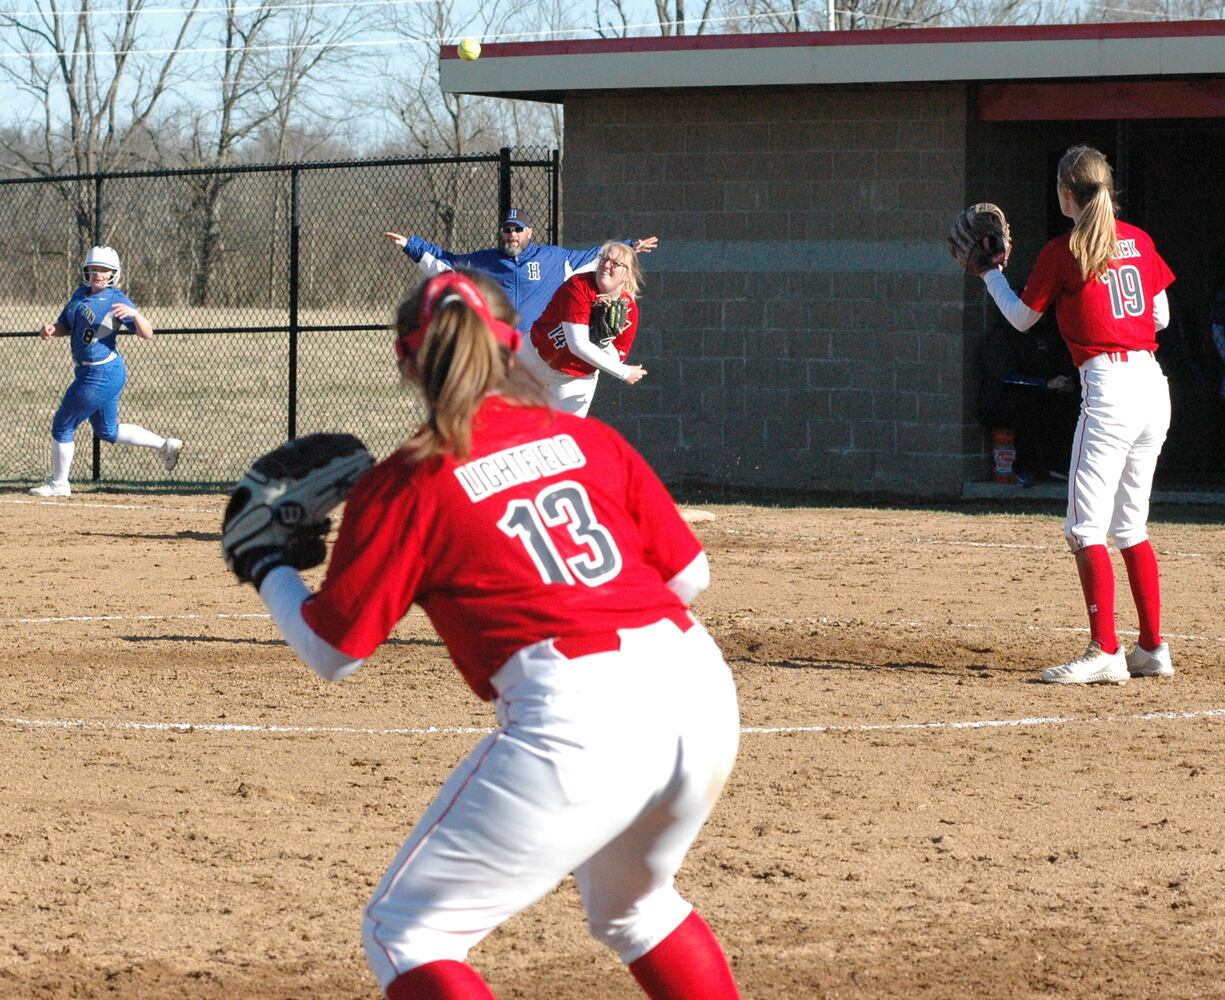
{"x":517,"y":217}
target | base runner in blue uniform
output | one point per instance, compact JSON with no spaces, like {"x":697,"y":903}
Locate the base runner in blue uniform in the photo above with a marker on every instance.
{"x":92,"y":318}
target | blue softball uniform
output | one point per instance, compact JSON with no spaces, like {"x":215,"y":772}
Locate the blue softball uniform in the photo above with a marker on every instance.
{"x":91,"y":327}
{"x":100,"y":372}
{"x":529,"y":280}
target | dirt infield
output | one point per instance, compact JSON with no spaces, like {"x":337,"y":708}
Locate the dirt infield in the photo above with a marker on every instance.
{"x":189,"y":812}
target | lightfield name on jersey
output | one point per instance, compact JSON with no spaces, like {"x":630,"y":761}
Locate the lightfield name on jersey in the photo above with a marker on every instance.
{"x":524,"y":463}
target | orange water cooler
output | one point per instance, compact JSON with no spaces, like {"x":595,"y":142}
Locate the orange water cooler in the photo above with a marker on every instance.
{"x":1003,"y":455}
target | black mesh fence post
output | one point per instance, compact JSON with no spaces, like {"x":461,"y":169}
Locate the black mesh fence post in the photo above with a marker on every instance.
{"x":555,"y":180}
{"x":99,"y":226}
{"x":295,"y":235}
{"x":503,"y":182}
{"x":98,"y":231}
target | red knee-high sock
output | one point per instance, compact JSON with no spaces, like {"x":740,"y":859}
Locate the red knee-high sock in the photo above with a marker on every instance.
{"x":1141,"y":563}
{"x":1097,"y":581}
{"x":686,"y":965}
{"x":443,"y":980}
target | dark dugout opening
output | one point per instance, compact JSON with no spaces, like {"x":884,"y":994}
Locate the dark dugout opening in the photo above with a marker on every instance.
{"x":1170,"y":175}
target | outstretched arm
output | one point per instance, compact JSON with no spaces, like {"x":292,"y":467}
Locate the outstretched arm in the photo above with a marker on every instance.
{"x":430,"y":258}
{"x":583,"y":261}
{"x":578,"y":340}
{"x":1015,"y":311}
{"x":284,"y":592}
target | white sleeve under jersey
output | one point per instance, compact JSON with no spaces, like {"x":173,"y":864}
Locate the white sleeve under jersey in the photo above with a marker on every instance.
{"x":692,"y":580}
{"x":1161,"y":310}
{"x":1022,"y":317}
{"x":1014,"y":310}
{"x":284,"y":591}
{"x":578,"y":340}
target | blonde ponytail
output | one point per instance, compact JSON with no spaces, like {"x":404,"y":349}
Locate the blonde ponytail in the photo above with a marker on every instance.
{"x":1086,"y":175}
{"x":459,"y":365}
{"x":459,"y":362}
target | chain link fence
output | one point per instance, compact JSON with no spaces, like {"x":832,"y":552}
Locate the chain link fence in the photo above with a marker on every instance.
{"x":270,"y":289}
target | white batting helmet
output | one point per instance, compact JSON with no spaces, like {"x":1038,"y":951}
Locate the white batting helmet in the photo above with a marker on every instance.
{"x":102,"y":257}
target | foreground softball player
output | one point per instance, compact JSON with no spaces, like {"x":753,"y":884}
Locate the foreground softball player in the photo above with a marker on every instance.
{"x":92,"y":319}
{"x":567,"y":351}
{"x":1107,"y":283}
{"x":556,"y":568}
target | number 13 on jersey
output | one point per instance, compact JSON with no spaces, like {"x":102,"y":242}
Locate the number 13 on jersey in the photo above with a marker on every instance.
{"x":563,"y":506}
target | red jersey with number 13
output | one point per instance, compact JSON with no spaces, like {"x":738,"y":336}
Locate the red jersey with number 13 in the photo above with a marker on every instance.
{"x":1113,"y":312}
{"x":554,"y":526}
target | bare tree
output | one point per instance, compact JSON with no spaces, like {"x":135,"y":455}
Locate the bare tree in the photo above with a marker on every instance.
{"x":269,"y":60}
{"x":96,"y":97}
{"x":438,"y":123}
{"x":672,"y":17}
{"x":866,"y":15}
{"x":618,"y":26}
{"x":869,"y":14}
{"x":95,"y":93}
{"x":1155,"y":10}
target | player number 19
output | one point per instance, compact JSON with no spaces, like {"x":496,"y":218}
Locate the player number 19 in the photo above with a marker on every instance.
{"x":1126,"y":291}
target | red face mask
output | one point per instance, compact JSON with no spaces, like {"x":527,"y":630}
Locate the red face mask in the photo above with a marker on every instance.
{"x":445,"y":288}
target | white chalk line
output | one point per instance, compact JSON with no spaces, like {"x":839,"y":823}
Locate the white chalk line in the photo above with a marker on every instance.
{"x":1050,"y":720}
{"x":102,"y":725}
{"x":87,"y":619}
{"x":734,"y":619}
{"x":938,"y":626}
{"x":65,"y":502}
{"x":952,"y":543}
{"x":901,"y":544}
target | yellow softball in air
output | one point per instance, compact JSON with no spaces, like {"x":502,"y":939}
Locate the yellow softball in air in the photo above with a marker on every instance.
{"x":469,"y":49}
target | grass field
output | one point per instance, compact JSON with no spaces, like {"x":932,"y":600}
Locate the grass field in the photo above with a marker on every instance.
{"x":224,"y":394}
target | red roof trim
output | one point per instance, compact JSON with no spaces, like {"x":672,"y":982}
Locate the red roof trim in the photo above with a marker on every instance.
{"x":1017,"y":102}
{"x":820,"y":39}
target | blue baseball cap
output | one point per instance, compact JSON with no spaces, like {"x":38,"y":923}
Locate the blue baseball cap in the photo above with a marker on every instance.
{"x":517,"y":217}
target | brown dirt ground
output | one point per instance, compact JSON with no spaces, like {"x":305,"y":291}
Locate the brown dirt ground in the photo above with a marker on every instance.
{"x":869,"y":849}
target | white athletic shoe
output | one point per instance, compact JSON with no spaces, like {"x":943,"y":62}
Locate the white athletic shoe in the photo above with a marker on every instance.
{"x":52,"y":489}
{"x":1091,"y":667}
{"x":170,"y":453}
{"x":1142,"y":663}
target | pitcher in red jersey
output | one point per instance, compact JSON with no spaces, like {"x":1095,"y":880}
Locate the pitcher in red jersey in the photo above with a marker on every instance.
{"x":565,"y":353}
{"x":1107,"y":283}
{"x":558,"y":572}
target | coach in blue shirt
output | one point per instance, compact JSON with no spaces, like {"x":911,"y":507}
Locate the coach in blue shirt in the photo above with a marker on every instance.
{"x":528,"y":272}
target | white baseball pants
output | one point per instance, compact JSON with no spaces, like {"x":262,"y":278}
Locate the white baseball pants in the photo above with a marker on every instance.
{"x":1124,"y":416}
{"x":568,"y":393}
{"x":605,"y":765}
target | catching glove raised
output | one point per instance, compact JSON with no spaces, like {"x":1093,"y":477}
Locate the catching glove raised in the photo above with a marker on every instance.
{"x":277,"y":514}
{"x":980,"y":238}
